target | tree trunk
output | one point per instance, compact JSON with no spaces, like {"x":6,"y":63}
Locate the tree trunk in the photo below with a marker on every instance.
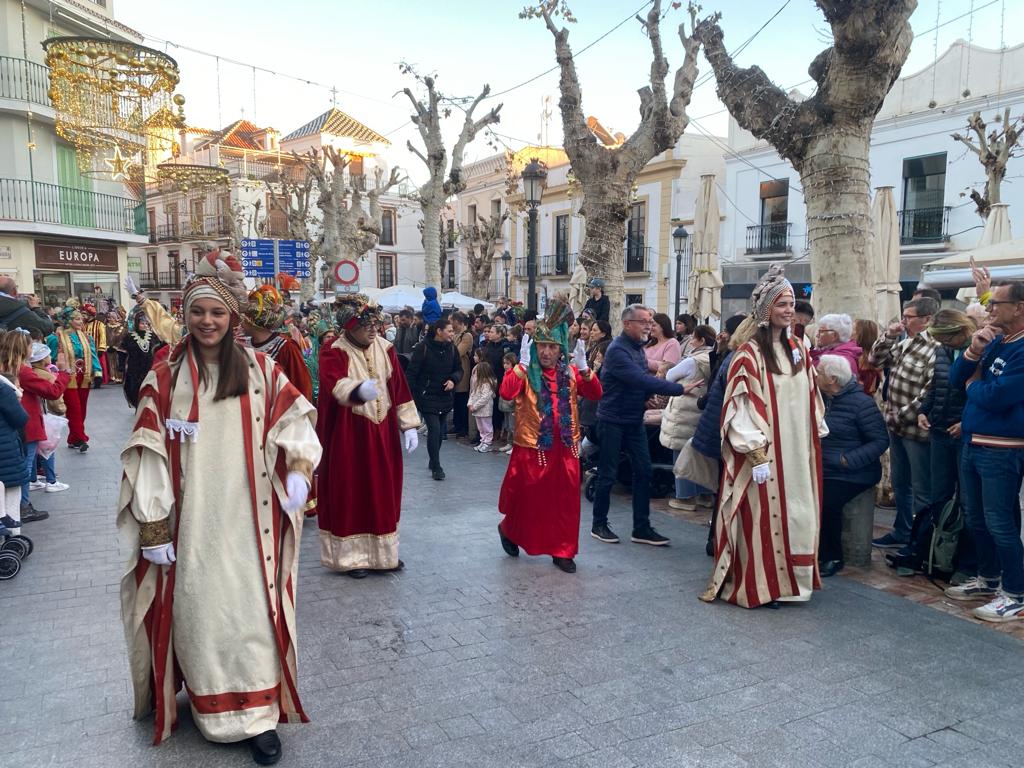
{"x":602,"y":251}
{"x":836,"y":180}
{"x":431,"y":203}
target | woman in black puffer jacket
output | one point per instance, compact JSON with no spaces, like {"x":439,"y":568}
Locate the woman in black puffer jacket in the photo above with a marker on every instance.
{"x":850,"y":452}
{"x":434,"y":370}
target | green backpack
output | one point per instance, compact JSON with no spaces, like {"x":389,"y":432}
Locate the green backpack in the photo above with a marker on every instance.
{"x":941,"y":558}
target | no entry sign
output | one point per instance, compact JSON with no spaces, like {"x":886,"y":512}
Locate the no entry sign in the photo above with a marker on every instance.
{"x":346,"y":272}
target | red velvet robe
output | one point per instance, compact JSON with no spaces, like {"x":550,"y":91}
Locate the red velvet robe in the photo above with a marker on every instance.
{"x":541,"y":502}
{"x":359,"y":491}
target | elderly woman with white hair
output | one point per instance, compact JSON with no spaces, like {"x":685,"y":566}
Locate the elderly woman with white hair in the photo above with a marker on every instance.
{"x":835,"y":337}
{"x":850,"y":453}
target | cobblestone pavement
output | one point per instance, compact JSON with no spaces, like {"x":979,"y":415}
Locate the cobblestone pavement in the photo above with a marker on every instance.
{"x":471,"y":658}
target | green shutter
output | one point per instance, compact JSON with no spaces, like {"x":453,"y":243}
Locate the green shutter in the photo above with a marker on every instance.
{"x":76,"y":199}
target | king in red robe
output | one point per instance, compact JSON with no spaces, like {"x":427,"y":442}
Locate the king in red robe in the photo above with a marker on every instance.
{"x":366,"y":412}
{"x":540,"y":496}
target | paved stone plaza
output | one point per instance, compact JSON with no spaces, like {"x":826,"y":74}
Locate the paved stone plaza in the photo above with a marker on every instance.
{"x":471,"y":658}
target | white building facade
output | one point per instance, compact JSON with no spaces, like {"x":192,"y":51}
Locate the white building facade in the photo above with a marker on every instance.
{"x":912,"y":151}
{"x":62,"y":233}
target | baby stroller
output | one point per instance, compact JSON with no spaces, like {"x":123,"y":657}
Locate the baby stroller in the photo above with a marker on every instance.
{"x":13,"y":549}
{"x":663,"y":480}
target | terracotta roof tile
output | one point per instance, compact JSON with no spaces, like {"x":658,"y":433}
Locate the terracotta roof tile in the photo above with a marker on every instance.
{"x":337,"y":123}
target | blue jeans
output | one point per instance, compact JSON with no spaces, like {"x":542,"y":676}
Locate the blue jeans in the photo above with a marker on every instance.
{"x":990,"y":481}
{"x":910,"y":462}
{"x":30,"y":467}
{"x":631,"y":438}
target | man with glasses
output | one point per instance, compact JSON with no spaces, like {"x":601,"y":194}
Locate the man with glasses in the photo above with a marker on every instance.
{"x":992,"y":462}
{"x":911,"y":363}
{"x":620,"y":424}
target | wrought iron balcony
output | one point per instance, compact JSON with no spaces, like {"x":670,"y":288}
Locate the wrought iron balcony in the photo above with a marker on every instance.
{"x":36,"y":201}
{"x":638,"y":258}
{"x":558,"y":264}
{"x":150,"y":281}
{"x":24,"y":80}
{"x":922,"y":226}
{"x":196,"y":228}
{"x":769,"y":238}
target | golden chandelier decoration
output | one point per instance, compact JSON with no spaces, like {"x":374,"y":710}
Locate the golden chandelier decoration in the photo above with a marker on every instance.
{"x":185,"y":177}
{"x":115,"y":102}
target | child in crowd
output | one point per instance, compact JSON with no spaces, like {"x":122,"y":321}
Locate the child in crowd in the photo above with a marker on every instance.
{"x":44,"y":385}
{"x":483,"y":388}
{"x":508,"y":407}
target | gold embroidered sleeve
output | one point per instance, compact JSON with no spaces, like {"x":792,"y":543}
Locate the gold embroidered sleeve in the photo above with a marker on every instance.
{"x":154,"y":534}
{"x":758,"y":456}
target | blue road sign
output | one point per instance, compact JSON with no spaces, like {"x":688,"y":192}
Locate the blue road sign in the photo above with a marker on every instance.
{"x":258,"y":258}
{"x":293,"y":258}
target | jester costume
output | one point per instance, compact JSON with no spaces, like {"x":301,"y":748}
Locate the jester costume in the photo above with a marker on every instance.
{"x":540,"y":496}
{"x":80,"y":354}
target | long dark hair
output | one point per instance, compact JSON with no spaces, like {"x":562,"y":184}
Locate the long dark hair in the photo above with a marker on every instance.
{"x":485,"y":374}
{"x":233,"y":364}
{"x":663,"y":322}
{"x":439,"y":325}
{"x":763,"y":339}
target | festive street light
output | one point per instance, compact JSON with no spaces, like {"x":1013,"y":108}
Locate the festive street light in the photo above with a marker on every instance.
{"x":534,"y":175}
{"x":679,"y":237}
{"x":506,"y":262}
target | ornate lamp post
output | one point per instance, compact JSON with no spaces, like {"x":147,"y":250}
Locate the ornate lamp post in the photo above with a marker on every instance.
{"x":506,"y":262}
{"x":534,"y":177}
{"x":679,"y":237}
{"x":324,"y":269}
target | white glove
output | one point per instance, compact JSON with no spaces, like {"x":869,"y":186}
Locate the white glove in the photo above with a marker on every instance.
{"x":160,"y":555}
{"x":524,"y":351}
{"x":298,"y":491}
{"x":579,"y":356}
{"x":681,"y":370}
{"x":367,"y":391}
{"x":129,"y":286}
{"x":411,"y":440}
{"x":761,"y":473}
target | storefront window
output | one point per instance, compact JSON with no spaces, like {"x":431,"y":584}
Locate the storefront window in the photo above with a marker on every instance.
{"x":96,"y":287}
{"x":53,"y":288}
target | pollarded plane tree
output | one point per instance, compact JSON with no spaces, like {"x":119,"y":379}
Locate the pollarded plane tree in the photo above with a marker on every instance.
{"x":994,"y":149}
{"x":444,"y":180}
{"x":350,"y":228}
{"x":827,"y":136}
{"x":291,"y":193}
{"x":606,"y":175}
{"x":480,"y":237}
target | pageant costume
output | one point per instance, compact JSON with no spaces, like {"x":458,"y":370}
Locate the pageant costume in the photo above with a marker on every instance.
{"x":540,"y":495}
{"x":218,"y":485}
{"x":80,"y":354}
{"x":359,"y":493}
{"x":766,"y":535}
{"x":265,"y":311}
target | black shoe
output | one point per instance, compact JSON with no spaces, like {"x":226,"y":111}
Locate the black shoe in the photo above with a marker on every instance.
{"x":830,"y":568}
{"x":774,"y":605}
{"x":709,"y":548}
{"x":566,"y":564}
{"x":83,"y":447}
{"x":75,"y":445}
{"x":9,"y":522}
{"x":265,"y":748}
{"x":649,"y":536}
{"x":510,"y":547}
{"x":358,"y":573}
{"x":437,"y":474}
{"x":604,"y":533}
{"x":30,"y":514}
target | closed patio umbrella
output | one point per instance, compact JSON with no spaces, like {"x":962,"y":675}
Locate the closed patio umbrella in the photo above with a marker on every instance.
{"x":704,"y":287}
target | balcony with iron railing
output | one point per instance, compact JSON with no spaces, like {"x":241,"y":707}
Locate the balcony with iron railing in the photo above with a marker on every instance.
{"x":924,"y":226}
{"x":769,"y":238}
{"x":24,"y":80}
{"x":558,"y":264}
{"x":39,"y":202}
{"x":195,"y":228}
{"x":169,"y":280}
{"x":636,"y":259}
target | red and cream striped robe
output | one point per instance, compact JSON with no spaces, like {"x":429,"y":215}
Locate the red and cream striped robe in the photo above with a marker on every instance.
{"x":766,"y":536}
{"x":275,"y":431}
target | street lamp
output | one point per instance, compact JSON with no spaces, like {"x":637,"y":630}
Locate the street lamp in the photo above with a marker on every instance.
{"x":534,"y":176}
{"x":679,"y":237}
{"x":324,"y":268}
{"x":506,"y":262}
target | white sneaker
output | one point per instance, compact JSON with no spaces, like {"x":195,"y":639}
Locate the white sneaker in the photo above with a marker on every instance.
{"x":56,"y":486}
{"x":975,"y":588}
{"x":1003,"y":608}
{"x":507,"y":448}
{"x":37,"y":485}
{"x":484,"y":448}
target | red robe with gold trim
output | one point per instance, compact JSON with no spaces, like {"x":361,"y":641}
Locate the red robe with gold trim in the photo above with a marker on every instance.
{"x":359,"y":489}
{"x":540,"y":496}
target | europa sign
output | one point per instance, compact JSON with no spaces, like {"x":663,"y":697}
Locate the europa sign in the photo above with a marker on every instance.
{"x":70,"y":255}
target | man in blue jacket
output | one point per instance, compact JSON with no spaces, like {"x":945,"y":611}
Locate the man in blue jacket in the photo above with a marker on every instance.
{"x":620,"y":424}
{"x":992,"y":461}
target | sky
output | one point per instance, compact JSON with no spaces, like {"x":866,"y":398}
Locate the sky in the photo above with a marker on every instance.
{"x":356,"y":46}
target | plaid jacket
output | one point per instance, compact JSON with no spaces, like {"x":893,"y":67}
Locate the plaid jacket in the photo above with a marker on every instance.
{"x":911,"y":363}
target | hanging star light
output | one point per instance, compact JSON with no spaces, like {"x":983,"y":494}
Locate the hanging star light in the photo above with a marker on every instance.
{"x":118,"y":165}
{"x":113,"y":99}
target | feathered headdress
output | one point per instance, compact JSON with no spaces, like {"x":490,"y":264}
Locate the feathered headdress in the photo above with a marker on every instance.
{"x":552,"y":329}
